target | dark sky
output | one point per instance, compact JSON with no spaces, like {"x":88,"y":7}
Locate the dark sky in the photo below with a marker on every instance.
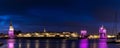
{"x":59,"y":15}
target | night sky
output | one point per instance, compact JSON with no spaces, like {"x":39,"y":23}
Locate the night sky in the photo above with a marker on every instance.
{"x":59,"y":15}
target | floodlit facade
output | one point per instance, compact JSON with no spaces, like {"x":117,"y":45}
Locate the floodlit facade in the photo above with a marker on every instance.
{"x":83,"y":33}
{"x":11,"y":31}
{"x":102,"y":32}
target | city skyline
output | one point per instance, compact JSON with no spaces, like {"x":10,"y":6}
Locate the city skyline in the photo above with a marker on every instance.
{"x":44,"y":30}
{"x":59,"y":15}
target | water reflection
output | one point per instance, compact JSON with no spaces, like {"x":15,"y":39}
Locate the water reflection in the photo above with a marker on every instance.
{"x":83,"y":43}
{"x":73,"y":44}
{"x":19,"y":44}
{"x":47,"y":43}
{"x":10,"y":43}
{"x":57,"y":45}
{"x":94,"y":45}
{"x":102,"y":43}
{"x":43,"y":43}
{"x":36,"y":43}
{"x":28,"y":43}
{"x":63,"y":44}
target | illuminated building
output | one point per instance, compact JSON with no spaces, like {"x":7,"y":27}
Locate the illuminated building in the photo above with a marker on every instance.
{"x":102,"y":32}
{"x":83,"y":33}
{"x":11,"y":31}
{"x":103,"y":43}
{"x":83,"y":43}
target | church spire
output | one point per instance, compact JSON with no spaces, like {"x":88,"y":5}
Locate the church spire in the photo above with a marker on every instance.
{"x":44,"y":30}
{"x":10,"y":22}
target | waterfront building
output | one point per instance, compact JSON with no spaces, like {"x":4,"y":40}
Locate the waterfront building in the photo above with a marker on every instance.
{"x":11,"y":31}
{"x":102,"y":32}
{"x":83,"y":33}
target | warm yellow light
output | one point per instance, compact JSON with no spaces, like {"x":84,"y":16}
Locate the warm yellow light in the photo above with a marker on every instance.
{"x":47,"y":34}
{"x":95,"y":36}
{"x":36,"y":33}
{"x":20,"y":34}
{"x":67,"y":35}
{"x":27,"y":35}
{"x":109,"y":36}
{"x":91,"y":36}
{"x":61,"y":35}
{"x":74,"y":35}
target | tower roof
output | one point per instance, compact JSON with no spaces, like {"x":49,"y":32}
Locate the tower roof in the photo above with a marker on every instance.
{"x":102,"y":27}
{"x":44,"y":30}
{"x":10,"y":23}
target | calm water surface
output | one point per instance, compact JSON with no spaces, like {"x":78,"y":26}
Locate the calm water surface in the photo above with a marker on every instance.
{"x":54,"y":43}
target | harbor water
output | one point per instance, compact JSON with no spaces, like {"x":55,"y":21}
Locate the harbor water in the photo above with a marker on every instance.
{"x":57,"y":43}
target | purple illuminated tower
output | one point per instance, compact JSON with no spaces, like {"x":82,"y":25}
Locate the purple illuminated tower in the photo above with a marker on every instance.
{"x":11,"y":31}
{"x":83,"y":33}
{"x":102,"y":32}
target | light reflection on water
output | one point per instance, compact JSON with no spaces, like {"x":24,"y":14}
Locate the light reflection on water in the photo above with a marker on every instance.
{"x":64,"y":44}
{"x":28,"y":43}
{"x":11,"y":43}
{"x":100,"y":43}
{"x":83,"y":43}
{"x":103,"y":43}
{"x":41,"y":43}
{"x":36,"y":43}
{"x":20,"y":44}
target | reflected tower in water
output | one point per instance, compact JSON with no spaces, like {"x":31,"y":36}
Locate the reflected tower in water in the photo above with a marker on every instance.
{"x":83,"y":43}
{"x":103,"y":43}
{"x":11,"y":43}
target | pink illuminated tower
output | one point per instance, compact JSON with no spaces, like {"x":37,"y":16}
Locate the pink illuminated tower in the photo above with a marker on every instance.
{"x":83,"y":33}
{"x":11,"y":31}
{"x":102,"y":32}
